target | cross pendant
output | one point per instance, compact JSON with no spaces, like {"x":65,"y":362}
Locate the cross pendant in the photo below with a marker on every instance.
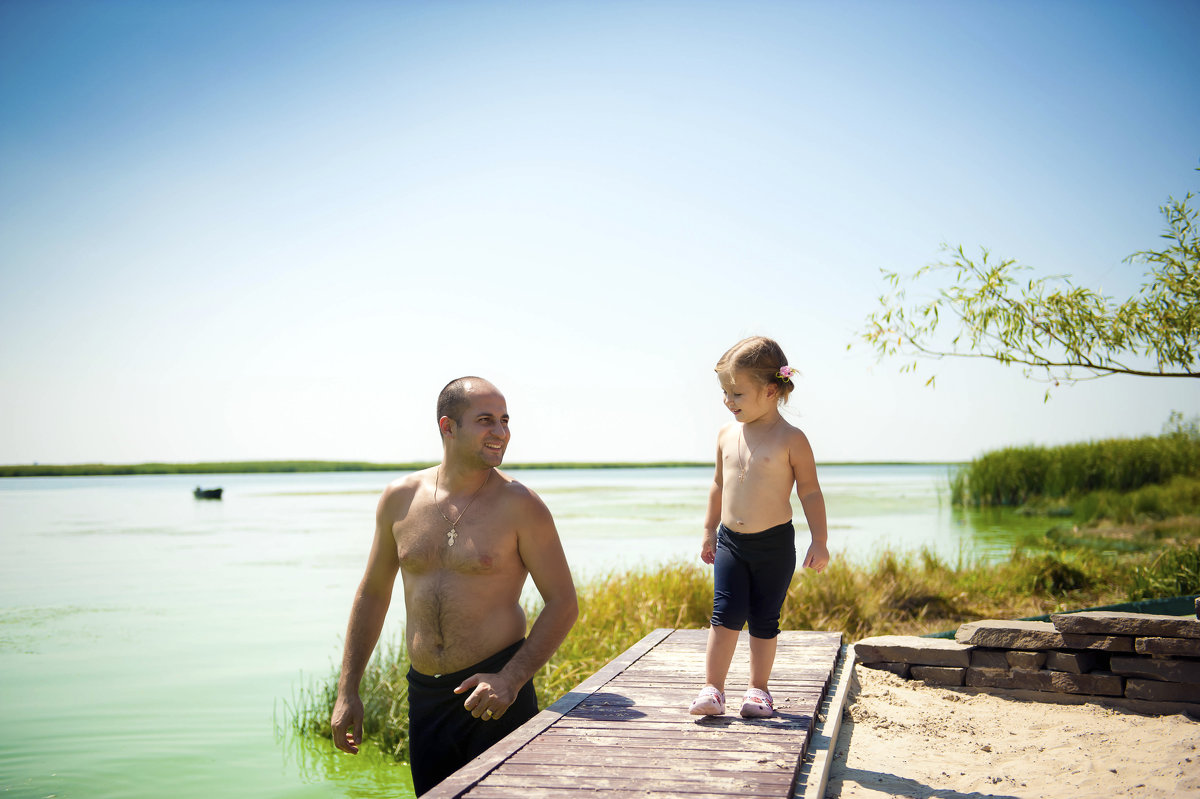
{"x":451,"y":534}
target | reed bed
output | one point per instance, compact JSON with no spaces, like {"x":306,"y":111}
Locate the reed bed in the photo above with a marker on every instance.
{"x":1021,"y":475}
{"x":384,"y":693}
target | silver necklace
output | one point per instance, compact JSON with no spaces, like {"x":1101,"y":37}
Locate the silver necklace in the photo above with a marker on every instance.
{"x":742,"y":439}
{"x":452,"y":533}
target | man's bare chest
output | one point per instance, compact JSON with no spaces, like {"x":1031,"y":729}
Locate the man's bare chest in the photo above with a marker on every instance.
{"x":427,"y":541}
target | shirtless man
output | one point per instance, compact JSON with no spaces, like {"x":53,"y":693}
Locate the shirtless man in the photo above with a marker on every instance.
{"x":463,"y":536}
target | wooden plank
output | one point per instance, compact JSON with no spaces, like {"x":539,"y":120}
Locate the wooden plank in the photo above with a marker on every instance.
{"x":813,"y":774}
{"x":462,"y":780}
{"x":505,"y":792}
{"x":583,"y":768}
{"x":745,"y":785}
{"x":636,"y":757}
{"x":625,"y":730}
{"x":770,"y":726}
{"x":657,"y":742}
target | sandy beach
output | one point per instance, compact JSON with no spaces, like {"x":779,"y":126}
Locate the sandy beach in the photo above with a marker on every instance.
{"x":902,"y":738}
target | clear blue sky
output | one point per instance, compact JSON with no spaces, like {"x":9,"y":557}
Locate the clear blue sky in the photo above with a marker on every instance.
{"x":234,"y":230}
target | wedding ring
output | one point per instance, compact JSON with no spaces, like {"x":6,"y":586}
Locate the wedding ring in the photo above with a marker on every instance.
{"x":487,"y":713}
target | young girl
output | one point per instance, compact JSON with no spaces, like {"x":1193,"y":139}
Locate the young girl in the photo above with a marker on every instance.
{"x":748,"y":532}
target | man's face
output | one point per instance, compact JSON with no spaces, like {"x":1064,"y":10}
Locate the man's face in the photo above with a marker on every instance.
{"x":484,"y":429}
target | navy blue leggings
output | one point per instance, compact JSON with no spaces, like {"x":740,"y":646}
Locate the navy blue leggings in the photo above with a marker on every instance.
{"x":751,"y":575}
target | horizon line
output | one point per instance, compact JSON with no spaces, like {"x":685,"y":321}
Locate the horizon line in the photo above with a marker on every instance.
{"x":101,"y":468}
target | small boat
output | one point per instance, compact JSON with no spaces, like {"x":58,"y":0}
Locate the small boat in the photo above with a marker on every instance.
{"x":207,"y":493}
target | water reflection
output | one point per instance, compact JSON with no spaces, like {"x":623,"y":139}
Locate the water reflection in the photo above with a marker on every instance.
{"x":367,"y":775}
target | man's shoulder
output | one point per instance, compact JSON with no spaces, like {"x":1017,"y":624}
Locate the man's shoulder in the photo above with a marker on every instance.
{"x":514,"y":489}
{"x":407,"y":484}
{"x":522,"y":497}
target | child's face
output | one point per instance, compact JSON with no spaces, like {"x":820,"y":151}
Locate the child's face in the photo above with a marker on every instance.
{"x":747,"y":399}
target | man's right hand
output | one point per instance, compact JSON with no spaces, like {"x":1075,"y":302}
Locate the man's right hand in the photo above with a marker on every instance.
{"x":347,"y":723}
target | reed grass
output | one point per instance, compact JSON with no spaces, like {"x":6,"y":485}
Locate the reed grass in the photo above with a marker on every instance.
{"x":1173,"y":572}
{"x":384,"y":694}
{"x":618,"y":610}
{"x":1020,"y":475}
{"x":1178,"y":497}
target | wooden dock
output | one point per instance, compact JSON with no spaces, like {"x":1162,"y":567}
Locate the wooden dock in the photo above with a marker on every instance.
{"x":626,"y":730}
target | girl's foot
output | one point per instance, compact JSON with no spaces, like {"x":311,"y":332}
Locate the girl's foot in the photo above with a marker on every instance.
{"x":757,"y":704}
{"x":709,"y":702}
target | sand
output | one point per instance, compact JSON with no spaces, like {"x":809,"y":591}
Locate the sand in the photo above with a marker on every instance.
{"x":904,"y":738}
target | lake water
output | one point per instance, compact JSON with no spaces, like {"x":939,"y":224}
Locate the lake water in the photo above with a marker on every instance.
{"x":149,"y":642}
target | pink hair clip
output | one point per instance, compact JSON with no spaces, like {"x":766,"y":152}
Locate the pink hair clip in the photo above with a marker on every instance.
{"x":785,"y":373}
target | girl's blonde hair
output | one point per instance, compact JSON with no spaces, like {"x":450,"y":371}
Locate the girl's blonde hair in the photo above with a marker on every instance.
{"x":761,"y":359}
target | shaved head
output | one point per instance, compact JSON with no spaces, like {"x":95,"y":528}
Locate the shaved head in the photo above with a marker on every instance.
{"x":455,"y":397}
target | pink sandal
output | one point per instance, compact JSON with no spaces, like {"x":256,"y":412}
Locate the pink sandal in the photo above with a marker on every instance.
{"x":757,"y":704}
{"x":709,"y":702}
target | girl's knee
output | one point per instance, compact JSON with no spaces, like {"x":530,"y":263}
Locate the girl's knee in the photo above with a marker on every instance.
{"x":764,"y":629}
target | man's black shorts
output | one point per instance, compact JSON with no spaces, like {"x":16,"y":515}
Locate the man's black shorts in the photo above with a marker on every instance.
{"x":443,"y":736}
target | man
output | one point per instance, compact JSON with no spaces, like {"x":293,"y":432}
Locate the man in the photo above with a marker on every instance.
{"x":463,"y":536}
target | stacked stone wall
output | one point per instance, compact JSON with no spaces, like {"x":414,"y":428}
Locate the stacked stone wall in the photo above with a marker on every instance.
{"x":1133,"y":656}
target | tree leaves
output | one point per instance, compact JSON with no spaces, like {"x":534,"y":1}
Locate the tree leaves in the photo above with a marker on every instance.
{"x":1056,"y":331}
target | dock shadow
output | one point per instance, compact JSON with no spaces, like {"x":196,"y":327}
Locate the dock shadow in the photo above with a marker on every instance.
{"x":897,"y":786}
{"x":608,"y":705}
{"x":780,"y":719}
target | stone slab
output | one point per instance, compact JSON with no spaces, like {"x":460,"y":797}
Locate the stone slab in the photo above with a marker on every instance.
{"x":989,"y":678}
{"x":1095,"y":684}
{"x":1103,"y":643}
{"x":1167,"y":646}
{"x":912,"y":649}
{"x":899,"y":669}
{"x":1074,"y":662}
{"x":939,"y":675}
{"x":989,"y":658}
{"x":1141,"y":706}
{"x":1165,"y":669}
{"x":1157,"y":691}
{"x":1010,"y":634}
{"x":1030,"y":661}
{"x":1108,"y":622}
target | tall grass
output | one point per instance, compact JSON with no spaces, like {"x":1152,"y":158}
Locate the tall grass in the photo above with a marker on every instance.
{"x":895,"y":594}
{"x":618,"y":610}
{"x":1173,"y":572}
{"x":1178,"y":497}
{"x":1018,"y":475}
{"x":384,"y":693}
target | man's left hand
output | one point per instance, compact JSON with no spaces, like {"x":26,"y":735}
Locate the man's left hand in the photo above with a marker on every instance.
{"x":490,"y":695}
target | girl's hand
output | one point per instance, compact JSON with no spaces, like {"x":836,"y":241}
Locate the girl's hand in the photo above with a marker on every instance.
{"x":708,"y":547}
{"x":817,"y":558}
